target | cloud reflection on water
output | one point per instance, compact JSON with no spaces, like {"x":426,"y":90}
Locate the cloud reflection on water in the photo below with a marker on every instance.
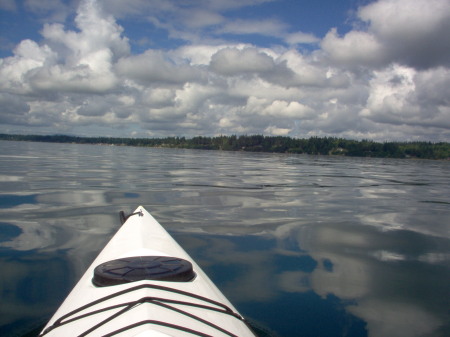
{"x":390,"y":289}
{"x":386,"y":289}
{"x":285,"y":236}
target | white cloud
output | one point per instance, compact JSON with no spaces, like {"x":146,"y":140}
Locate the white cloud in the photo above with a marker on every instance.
{"x":433,"y":88}
{"x":158,"y":97}
{"x":368,"y":83}
{"x":69,"y":61}
{"x":153,"y":66}
{"x":94,"y":77}
{"x":14,"y":110}
{"x":97,"y":31}
{"x":355,"y":48}
{"x":199,"y":54}
{"x":292,"y":109}
{"x":268,"y":27}
{"x":306,"y":72}
{"x":301,"y":38}
{"x":413,"y":33}
{"x":275,"y":131}
{"x":402,"y":95}
{"x":94,"y":107}
{"x":231,"y":61}
{"x":28,"y":57}
{"x":407,"y":21}
{"x":389,"y":93}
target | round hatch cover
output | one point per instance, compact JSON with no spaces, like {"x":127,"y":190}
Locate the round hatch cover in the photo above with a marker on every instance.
{"x":137,"y":268}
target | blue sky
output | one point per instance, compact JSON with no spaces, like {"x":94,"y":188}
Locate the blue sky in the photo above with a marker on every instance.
{"x":373,"y":69}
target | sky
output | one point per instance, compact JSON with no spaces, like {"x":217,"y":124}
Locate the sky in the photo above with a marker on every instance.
{"x":356,"y":69}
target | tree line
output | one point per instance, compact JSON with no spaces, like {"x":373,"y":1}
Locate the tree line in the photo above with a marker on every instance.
{"x":260,"y":143}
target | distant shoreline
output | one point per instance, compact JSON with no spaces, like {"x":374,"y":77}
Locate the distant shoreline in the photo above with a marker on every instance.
{"x":259,"y":143}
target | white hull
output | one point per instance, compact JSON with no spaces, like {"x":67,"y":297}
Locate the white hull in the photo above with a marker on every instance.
{"x":147,"y":307}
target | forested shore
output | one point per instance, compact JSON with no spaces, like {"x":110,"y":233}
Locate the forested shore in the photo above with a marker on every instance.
{"x":260,"y":143}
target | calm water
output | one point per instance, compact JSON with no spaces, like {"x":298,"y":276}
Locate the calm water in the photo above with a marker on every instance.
{"x":302,"y":245}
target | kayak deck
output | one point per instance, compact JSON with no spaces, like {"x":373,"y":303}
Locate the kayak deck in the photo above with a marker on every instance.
{"x":144,"y":284}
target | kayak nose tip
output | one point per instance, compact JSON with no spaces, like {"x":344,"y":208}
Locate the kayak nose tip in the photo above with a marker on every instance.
{"x":124,"y":217}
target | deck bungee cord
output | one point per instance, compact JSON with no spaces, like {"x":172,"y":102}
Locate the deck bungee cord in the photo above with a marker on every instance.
{"x":220,"y":308}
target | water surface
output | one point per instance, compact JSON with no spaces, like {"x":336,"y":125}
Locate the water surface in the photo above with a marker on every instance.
{"x":302,"y":245}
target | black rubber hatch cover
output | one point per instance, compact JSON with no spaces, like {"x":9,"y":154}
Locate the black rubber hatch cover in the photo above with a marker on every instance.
{"x":137,"y":268}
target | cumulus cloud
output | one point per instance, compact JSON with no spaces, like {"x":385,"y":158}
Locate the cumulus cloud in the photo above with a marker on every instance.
{"x":301,"y":38}
{"x":97,"y":31}
{"x":355,"y":48}
{"x":231,"y":61}
{"x":14,"y":109}
{"x":413,"y":33}
{"x":402,"y":95}
{"x":388,"y":78}
{"x":68,"y":60}
{"x":28,"y":57}
{"x":87,"y":55}
{"x":273,"y":130}
{"x":153,"y":66}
